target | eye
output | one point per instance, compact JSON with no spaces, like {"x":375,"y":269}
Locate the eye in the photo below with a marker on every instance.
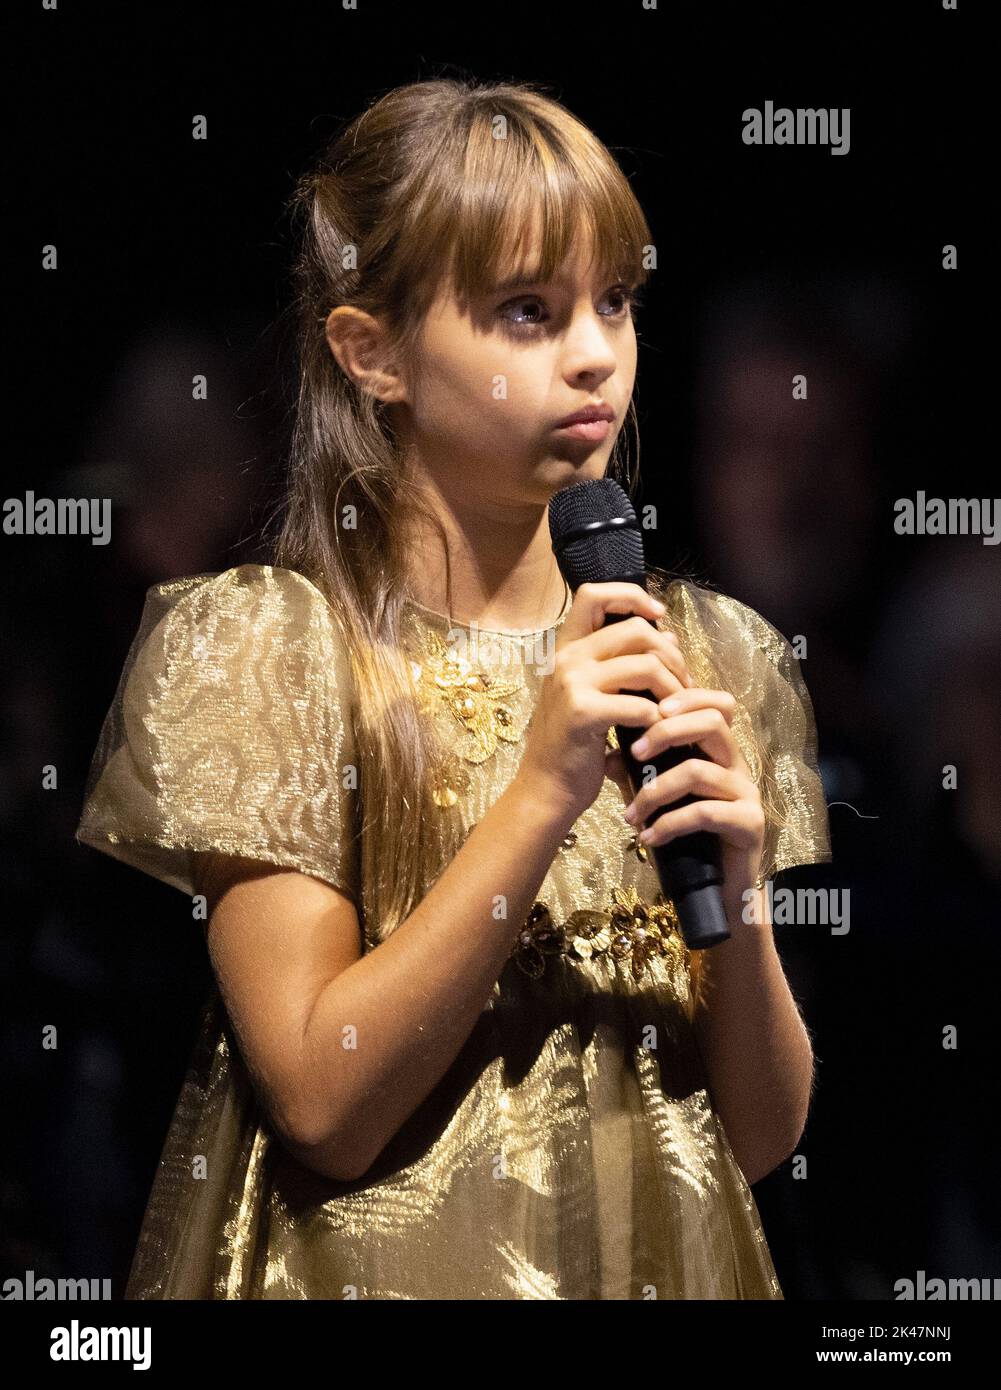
{"x":629,"y":300}
{"x":632,"y":297}
{"x":514,"y":304}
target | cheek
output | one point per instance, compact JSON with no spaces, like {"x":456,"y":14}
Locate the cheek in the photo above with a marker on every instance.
{"x":454,"y":368}
{"x":520,"y":387}
{"x":505,"y":391}
{"x":450,"y":390}
{"x":469,"y":426}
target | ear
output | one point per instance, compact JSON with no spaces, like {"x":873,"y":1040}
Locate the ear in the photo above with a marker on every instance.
{"x":359,"y":342}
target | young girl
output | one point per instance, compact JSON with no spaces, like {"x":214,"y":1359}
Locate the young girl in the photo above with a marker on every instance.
{"x":458,"y":1047}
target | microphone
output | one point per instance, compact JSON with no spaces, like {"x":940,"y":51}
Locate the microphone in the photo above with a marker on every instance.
{"x":597,"y":540}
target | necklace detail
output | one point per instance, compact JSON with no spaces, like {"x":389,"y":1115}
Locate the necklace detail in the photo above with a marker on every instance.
{"x":509,"y":634}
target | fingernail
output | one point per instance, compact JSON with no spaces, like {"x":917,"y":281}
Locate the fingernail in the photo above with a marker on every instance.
{"x":630,"y":812}
{"x":640,"y":747}
{"x":660,"y":607}
{"x":669,"y":706}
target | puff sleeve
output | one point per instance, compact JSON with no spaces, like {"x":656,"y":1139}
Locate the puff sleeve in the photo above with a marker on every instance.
{"x":732,"y":647}
{"x":230,"y":730}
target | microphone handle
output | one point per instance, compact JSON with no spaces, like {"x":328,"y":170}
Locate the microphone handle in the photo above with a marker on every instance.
{"x":689,"y":866}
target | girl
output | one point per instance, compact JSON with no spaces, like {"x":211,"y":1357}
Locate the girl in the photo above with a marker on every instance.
{"x":458,"y":1047}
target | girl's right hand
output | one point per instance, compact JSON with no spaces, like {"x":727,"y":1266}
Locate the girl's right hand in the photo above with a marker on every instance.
{"x":579,"y":700}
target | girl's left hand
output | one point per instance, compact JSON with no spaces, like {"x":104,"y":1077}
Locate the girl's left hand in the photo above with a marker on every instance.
{"x":732,"y":807}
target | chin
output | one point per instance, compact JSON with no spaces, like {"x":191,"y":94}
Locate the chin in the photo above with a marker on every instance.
{"x":560,"y":473}
{"x":582,"y":463}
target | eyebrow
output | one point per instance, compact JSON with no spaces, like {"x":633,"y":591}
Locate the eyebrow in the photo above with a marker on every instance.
{"x":520,"y":281}
{"x":525,"y":279}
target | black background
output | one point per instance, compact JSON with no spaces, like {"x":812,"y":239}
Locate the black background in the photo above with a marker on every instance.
{"x":164,"y":241}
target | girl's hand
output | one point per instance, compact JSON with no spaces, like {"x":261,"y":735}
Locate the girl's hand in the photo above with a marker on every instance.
{"x":732,"y":808}
{"x":566,"y":757}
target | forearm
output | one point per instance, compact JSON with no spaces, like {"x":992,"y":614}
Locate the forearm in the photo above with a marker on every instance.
{"x":755,"y":1045}
{"x":408,"y":1006}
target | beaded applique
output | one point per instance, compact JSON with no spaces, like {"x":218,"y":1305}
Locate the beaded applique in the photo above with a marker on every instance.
{"x":629,"y":929}
{"x":479,"y":703}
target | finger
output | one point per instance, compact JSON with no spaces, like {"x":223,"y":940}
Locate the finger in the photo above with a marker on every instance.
{"x":636,"y":635}
{"x":592,"y":602}
{"x":634,"y":711}
{"x":698,"y":698}
{"x":696,"y":777}
{"x":645,"y":671}
{"x":707,"y":728}
{"x":666,"y":632}
{"x":740,"y":823}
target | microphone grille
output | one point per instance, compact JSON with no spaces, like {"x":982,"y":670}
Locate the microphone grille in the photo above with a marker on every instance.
{"x":611,"y":546}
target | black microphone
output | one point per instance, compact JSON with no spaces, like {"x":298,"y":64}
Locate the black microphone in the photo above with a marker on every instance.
{"x":597,"y":540}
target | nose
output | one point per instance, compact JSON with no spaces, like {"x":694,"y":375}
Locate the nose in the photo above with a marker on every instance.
{"x":588,"y":349}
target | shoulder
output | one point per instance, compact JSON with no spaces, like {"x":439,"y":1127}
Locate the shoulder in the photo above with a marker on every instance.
{"x":256,"y":641}
{"x":240,"y":591}
{"x":245,"y":609}
{"x":731,"y":646}
{"x":229,"y":731}
{"x":724,"y":630}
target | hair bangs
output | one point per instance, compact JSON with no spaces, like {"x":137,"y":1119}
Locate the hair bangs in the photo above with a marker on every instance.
{"x":534,"y":199}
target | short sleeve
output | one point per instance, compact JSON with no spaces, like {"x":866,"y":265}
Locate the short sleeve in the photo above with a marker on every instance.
{"x":731,"y":647}
{"x":230,"y":731}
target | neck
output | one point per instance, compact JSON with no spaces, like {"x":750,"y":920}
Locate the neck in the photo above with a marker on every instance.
{"x":504,"y":572}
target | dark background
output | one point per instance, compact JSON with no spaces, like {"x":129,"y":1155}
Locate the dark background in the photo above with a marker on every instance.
{"x":172,"y":260}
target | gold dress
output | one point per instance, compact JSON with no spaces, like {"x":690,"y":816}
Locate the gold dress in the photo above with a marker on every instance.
{"x":572,"y":1150}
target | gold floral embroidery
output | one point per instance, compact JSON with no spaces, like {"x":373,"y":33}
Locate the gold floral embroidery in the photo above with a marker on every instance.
{"x":479,"y":702}
{"x":641,"y":851}
{"x":629,"y":929}
{"x":478,"y":699}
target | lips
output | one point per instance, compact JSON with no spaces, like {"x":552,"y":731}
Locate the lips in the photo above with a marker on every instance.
{"x":585,"y":416}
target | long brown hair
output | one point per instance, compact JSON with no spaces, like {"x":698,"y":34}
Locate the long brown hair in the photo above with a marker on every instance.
{"x":435,"y":180}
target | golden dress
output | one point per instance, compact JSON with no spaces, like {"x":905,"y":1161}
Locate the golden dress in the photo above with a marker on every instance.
{"x":572,"y":1150}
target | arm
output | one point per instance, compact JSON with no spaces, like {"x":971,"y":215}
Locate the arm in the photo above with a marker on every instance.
{"x":755,"y":1045}
{"x":286,"y":950}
